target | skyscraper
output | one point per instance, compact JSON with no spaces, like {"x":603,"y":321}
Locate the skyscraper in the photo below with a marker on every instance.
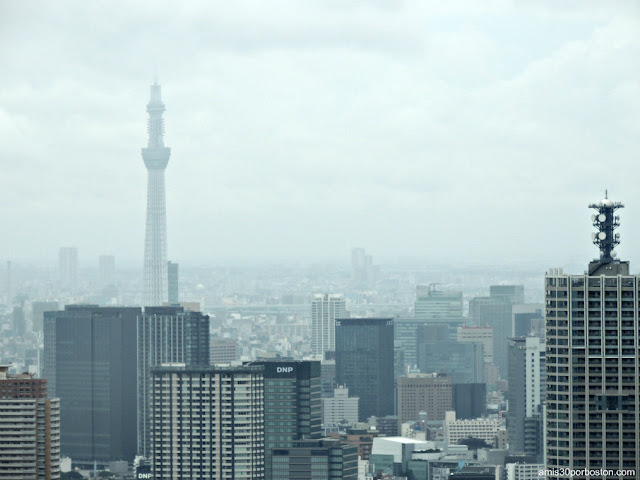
{"x":324,"y":311}
{"x":166,"y":335}
{"x":107,"y":269}
{"x":156,"y":157}
{"x":90,"y":363}
{"x":293,"y":408}
{"x":207,"y":423}
{"x":29,"y":428}
{"x":527,"y":373}
{"x":463,"y":362}
{"x":68,"y":267}
{"x":364,"y":363}
{"x":593,"y":412}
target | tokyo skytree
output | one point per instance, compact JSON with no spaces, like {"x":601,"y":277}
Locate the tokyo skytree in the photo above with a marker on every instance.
{"x":156,"y":157}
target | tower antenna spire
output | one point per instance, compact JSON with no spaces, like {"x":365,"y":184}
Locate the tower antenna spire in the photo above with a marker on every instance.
{"x":156,"y":157}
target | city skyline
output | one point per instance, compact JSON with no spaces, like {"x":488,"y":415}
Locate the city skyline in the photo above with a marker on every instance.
{"x":471,"y":106}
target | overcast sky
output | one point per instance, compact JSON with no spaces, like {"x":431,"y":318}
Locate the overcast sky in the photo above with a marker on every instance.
{"x":476,"y":130}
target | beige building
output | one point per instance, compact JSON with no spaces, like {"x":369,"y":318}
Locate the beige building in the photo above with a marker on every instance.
{"x":487,"y":429}
{"x":428,"y":392}
{"x":483,"y":335}
{"x":223,"y":351}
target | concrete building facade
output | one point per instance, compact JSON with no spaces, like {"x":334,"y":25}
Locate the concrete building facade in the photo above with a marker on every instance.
{"x":429,"y":393}
{"x":207,"y":423}
{"x":339,"y":409}
{"x":325,"y":308}
{"x":592,"y":361}
{"x":29,"y":428}
{"x":166,"y":335}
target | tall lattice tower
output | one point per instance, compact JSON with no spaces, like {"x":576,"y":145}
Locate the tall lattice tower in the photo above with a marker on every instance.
{"x":156,"y":157}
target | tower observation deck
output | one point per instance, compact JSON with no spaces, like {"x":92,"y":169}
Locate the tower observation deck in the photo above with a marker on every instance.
{"x":156,"y":157}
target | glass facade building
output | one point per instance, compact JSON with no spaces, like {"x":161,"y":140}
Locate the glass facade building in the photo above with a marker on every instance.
{"x":90,"y":363}
{"x":365,"y":363}
{"x":166,"y":335}
{"x":292,"y":404}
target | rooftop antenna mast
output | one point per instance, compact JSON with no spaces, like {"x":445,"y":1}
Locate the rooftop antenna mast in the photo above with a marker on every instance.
{"x":606,"y":222}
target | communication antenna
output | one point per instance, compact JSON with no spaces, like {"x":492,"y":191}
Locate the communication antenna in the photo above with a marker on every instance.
{"x":606,"y":222}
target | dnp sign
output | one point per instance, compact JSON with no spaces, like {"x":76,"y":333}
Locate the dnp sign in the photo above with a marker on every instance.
{"x":145,"y":475}
{"x":284,"y":369}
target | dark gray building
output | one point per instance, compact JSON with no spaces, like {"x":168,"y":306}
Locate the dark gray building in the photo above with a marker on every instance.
{"x":90,"y":363}
{"x":166,"y":335}
{"x":322,"y":459}
{"x":469,"y":400}
{"x":172,"y":282}
{"x":365,"y":363}
{"x":463,"y":362}
{"x":293,"y":405}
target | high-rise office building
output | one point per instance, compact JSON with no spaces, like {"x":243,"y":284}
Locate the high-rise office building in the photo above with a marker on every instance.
{"x":29,"y":428}
{"x":592,"y":408}
{"x":528,"y":319}
{"x":90,"y":363}
{"x":469,"y":400}
{"x":497,"y":312}
{"x":483,"y":335}
{"x":207,"y":422}
{"x":223,"y":351}
{"x":166,"y":335}
{"x":328,"y":376}
{"x":68,"y":267}
{"x":513,"y":294}
{"x":432,"y":303}
{"x":527,"y":375}
{"x":324,"y":311}
{"x":156,"y":157}
{"x":293,"y":408}
{"x":429,"y":393}
{"x":322,"y":459}
{"x":339,"y":409}
{"x":365,"y":363}
{"x":409,"y":330}
{"x":363,"y":272}
{"x":107,"y":264}
{"x":37,"y":312}
{"x":172,"y":282}
{"x":463,"y":362}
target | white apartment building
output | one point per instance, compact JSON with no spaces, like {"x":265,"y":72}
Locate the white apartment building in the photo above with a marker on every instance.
{"x":208,"y":422}
{"x":325,"y":308}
